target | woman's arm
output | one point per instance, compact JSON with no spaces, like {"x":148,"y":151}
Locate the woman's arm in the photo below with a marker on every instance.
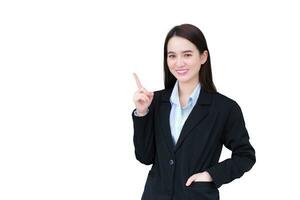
{"x":236,"y":139}
{"x":143,"y":138}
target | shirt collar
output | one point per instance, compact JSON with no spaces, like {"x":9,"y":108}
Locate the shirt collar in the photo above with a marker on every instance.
{"x":174,"y":99}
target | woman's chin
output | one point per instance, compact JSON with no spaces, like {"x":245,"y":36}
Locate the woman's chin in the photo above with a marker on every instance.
{"x":183,"y":79}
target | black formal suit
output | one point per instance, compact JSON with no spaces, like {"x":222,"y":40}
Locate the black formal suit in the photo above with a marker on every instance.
{"x":215,"y":120}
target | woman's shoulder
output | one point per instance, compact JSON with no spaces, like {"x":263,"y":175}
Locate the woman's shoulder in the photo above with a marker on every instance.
{"x":223,"y":98}
{"x":218,"y":99}
{"x":223,"y":101}
{"x":163,"y":94}
{"x":162,"y":91}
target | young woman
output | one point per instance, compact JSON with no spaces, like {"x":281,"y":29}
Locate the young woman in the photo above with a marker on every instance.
{"x":181,"y":129}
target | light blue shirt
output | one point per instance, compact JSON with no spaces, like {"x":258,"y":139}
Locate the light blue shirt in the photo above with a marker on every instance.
{"x":179,"y":114}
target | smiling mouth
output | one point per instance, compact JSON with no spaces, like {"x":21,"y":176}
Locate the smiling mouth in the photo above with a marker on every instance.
{"x":182,"y":72}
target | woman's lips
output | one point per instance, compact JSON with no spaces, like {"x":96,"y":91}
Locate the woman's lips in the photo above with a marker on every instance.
{"x":182,"y":71}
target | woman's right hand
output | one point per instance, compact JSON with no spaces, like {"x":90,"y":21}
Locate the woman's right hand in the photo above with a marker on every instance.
{"x":142,"y":98}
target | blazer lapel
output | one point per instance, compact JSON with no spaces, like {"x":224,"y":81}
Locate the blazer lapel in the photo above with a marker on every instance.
{"x":198,"y":113}
{"x":164,"y":113}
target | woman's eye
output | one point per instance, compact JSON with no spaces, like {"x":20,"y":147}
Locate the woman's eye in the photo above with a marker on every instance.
{"x":187,"y":55}
{"x":171,"y":56}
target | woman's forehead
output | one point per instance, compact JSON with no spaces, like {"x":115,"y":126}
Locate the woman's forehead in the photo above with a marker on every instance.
{"x":180,"y":44}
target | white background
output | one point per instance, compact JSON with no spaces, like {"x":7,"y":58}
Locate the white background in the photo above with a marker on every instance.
{"x":66,"y":89}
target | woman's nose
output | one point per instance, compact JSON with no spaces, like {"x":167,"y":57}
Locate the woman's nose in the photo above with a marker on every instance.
{"x":179,"y":62}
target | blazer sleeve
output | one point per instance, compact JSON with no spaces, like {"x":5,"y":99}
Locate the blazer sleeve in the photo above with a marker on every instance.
{"x":143,"y":137}
{"x":235,"y":137}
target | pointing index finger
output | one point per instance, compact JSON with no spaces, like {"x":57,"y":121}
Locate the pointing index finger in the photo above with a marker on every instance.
{"x":137,"y":80}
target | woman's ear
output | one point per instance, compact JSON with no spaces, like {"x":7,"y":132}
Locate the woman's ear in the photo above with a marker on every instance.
{"x":203,"y":57}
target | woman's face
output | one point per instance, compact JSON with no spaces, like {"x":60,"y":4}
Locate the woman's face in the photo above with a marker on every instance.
{"x":184,"y":59}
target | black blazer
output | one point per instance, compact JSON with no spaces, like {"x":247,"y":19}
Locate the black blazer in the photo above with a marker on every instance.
{"x":215,"y":120}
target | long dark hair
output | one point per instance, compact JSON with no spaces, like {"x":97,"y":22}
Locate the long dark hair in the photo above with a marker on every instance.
{"x":194,"y":35}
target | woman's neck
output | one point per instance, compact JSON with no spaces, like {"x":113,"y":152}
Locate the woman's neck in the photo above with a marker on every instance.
{"x":186,"y":89}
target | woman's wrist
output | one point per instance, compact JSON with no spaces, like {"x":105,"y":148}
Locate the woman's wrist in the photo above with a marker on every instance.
{"x":142,"y":113}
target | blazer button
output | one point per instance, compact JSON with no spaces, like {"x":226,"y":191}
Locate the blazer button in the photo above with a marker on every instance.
{"x":171,"y":162}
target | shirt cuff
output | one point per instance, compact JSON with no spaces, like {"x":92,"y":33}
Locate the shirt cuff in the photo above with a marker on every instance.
{"x":138,"y":115}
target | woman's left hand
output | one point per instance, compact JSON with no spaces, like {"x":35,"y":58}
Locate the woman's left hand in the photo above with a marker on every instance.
{"x":199,"y":177}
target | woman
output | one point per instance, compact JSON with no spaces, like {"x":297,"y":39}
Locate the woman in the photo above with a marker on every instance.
{"x":181,"y":129}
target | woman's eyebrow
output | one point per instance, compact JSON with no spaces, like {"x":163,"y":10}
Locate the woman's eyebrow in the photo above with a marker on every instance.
{"x":186,"y":51}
